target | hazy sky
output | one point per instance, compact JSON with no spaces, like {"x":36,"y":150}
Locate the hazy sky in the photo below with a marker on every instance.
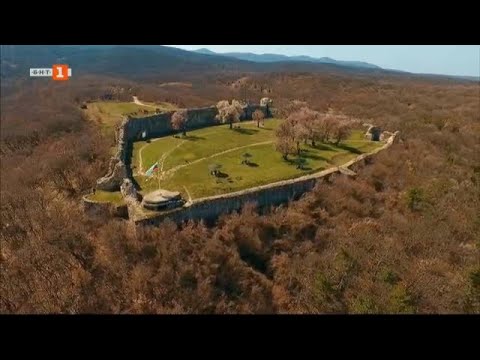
{"x":434,"y":59}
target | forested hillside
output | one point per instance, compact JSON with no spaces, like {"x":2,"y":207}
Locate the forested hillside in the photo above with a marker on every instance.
{"x":402,"y":237}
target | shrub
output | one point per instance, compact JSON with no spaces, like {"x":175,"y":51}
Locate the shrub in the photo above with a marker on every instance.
{"x":401,"y":301}
{"x":415,"y":198}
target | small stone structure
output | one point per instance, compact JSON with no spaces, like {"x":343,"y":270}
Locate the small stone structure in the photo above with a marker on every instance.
{"x":386,"y":135}
{"x":162,"y":200}
{"x":114,"y":177}
{"x":131,"y":198}
{"x":373,"y":133}
{"x":267,"y":103}
{"x":128,"y":190}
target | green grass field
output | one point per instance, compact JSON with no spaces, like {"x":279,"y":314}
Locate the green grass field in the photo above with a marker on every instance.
{"x":114,"y":197}
{"x":186,"y":160}
{"x":201,"y":143}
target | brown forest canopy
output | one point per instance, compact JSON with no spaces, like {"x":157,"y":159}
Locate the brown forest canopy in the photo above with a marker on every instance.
{"x":404,"y":236}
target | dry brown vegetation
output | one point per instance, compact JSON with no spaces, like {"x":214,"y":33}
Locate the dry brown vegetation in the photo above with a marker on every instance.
{"x":403,"y":236}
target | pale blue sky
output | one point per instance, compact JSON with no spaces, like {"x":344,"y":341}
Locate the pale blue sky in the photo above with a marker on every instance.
{"x":432,"y":59}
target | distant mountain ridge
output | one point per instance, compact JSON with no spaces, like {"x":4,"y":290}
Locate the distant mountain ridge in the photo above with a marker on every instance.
{"x":137,"y":61}
{"x":284,"y":58}
{"x":172,"y":64}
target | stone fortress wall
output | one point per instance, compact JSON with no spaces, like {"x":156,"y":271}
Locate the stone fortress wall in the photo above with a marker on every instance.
{"x":141,"y":129}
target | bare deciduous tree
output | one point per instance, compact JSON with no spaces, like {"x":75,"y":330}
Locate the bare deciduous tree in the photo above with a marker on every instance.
{"x":179,"y":121}
{"x":292,"y":107}
{"x":285,"y":146}
{"x":342,"y":129}
{"x":229,"y":113}
{"x":325,"y":125}
{"x":301,"y":122}
{"x":258,"y":116}
{"x":285,"y":139}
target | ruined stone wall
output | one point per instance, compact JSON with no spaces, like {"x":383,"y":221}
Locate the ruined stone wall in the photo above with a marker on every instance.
{"x":211,"y":208}
{"x":248,"y":111}
{"x":159,"y":125}
{"x":119,"y":166}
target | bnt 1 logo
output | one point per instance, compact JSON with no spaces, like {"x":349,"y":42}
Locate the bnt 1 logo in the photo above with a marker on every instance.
{"x":58,"y":72}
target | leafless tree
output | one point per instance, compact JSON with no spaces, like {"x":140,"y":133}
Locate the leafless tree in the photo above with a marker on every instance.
{"x":302,"y":122}
{"x":342,"y":129}
{"x":291,"y":107}
{"x":285,"y":139}
{"x":229,"y":113}
{"x":258,"y":116}
{"x":325,"y":125}
{"x":179,"y":121}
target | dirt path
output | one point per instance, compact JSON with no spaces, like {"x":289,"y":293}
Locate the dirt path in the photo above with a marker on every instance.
{"x":162,"y":159}
{"x":178,"y":167}
{"x":170,"y":151}
{"x":140,"y":160}
{"x":140,"y":168}
{"x":172,"y":171}
{"x":138,"y":102}
{"x":188,"y":193}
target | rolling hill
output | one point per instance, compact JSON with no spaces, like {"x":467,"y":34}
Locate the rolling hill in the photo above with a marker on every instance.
{"x":112,"y":60}
{"x":141,"y":61}
{"x":268,"y":58}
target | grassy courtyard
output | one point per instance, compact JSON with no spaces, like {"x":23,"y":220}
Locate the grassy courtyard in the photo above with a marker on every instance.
{"x":185,"y":161}
{"x":101,"y":196}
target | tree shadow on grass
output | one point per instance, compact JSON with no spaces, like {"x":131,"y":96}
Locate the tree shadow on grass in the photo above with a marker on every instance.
{"x":349,"y":149}
{"x":221,"y":175}
{"x":311,"y":156}
{"x":320,"y":146}
{"x":298,"y":166}
{"x":266,"y":128}
{"x":252,"y":164}
{"x":246,"y":131}
{"x":191,"y":138}
{"x":222,"y":178}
